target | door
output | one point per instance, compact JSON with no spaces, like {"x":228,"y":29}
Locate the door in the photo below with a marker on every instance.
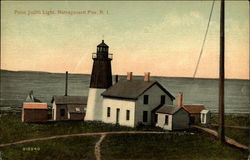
{"x":117,"y":115}
{"x":203,"y":118}
{"x":192,"y":120}
{"x":145,"y":116}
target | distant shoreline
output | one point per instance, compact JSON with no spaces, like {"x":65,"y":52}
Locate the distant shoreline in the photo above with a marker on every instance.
{"x":30,"y":71}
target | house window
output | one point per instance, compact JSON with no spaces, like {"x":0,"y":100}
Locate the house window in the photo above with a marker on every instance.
{"x":62,"y":112}
{"x":145,"y":99}
{"x":145,"y":116}
{"x":166,"y":119}
{"x":163,"y":99}
{"x":108,"y":112}
{"x":127,"y":115}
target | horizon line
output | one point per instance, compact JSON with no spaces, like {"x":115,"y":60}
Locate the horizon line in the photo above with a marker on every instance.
{"x":125,"y":74}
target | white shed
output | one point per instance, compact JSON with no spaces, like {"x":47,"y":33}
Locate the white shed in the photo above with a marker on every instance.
{"x":68,"y":107}
{"x":172,"y":118}
{"x":205,"y":116}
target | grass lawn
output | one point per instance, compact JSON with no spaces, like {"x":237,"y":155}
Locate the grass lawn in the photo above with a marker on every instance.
{"x":240,"y":135}
{"x":60,"y":149}
{"x":233,"y":119}
{"x":12,"y":129}
{"x":168,"y":147}
{"x":135,"y":147}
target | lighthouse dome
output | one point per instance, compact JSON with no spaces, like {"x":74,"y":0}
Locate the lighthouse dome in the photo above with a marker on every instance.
{"x":102,"y":44}
{"x":102,"y":47}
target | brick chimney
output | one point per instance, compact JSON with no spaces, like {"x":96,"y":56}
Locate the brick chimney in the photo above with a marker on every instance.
{"x":180,"y":99}
{"x":146,"y":76}
{"x":129,"y":76}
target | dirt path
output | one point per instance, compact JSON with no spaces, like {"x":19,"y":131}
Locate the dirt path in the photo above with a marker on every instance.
{"x":98,"y":147}
{"x":227,"y":139}
{"x":79,"y":135}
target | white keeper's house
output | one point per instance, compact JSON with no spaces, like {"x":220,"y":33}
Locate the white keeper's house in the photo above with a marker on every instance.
{"x":131,"y":102}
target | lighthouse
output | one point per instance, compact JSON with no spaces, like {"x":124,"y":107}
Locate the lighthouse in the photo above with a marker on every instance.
{"x":101,"y":79}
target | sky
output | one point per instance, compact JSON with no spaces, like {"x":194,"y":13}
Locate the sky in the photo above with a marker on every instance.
{"x":161,"y":37}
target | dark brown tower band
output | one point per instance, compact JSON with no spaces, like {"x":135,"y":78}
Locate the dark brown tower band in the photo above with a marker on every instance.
{"x":101,"y":76}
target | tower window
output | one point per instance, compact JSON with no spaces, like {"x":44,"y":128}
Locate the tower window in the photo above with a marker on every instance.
{"x":145,"y":99}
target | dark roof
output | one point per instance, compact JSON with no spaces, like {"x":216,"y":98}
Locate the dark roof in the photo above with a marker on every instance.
{"x":158,"y":107}
{"x":167,"y":109}
{"x":69,"y":99}
{"x":194,"y":109}
{"x":102,"y":44}
{"x":132,"y":89}
{"x":31,"y":98}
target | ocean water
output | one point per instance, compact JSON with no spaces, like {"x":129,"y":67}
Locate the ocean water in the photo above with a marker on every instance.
{"x":15,"y":87}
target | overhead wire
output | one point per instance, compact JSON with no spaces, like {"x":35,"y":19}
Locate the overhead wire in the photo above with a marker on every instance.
{"x":204,"y":40}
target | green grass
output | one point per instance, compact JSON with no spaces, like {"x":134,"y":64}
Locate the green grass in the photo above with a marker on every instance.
{"x":81,"y":148}
{"x":12,"y":129}
{"x":240,"y":135}
{"x":168,"y":147}
{"x":172,"y":145}
{"x":233,"y":119}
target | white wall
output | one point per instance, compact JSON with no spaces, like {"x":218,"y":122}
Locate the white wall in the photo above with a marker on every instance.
{"x":206,"y":118}
{"x":154,"y":100}
{"x":161,"y":121}
{"x":94,"y":105}
{"x":55,"y":111}
{"x":123,"y":105}
{"x":22,"y":114}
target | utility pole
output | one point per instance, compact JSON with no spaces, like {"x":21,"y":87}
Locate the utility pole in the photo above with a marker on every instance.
{"x":222,"y":72}
{"x":66,"y":84}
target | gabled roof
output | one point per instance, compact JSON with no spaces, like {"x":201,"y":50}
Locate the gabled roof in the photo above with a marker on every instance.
{"x":32,"y":105}
{"x":69,"y":99}
{"x":131,"y":89}
{"x":168,"y":109}
{"x":31,"y":98}
{"x":194,"y":109}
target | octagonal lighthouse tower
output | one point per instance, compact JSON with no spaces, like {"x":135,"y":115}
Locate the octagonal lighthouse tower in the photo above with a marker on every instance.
{"x":101,"y":79}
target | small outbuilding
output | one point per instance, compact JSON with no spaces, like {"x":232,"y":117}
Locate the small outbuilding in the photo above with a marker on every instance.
{"x":194,"y":112}
{"x":205,"y":116}
{"x":68,"y":107}
{"x":34,"y":112}
{"x":172,"y":118}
